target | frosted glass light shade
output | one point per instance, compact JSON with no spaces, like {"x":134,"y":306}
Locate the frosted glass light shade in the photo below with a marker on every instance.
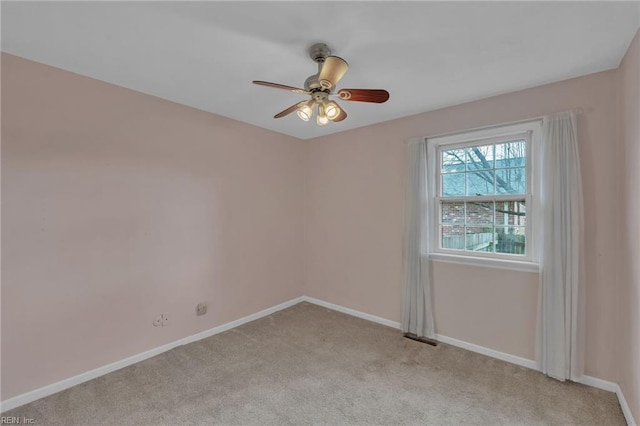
{"x":322,"y":117}
{"x":305,"y":112}
{"x":332,"y":110}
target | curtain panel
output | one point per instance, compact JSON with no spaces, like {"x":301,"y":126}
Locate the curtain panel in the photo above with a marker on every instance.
{"x":417,"y":317}
{"x":560,"y":343}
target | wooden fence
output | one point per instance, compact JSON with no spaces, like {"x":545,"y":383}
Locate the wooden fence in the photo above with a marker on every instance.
{"x":505,"y":243}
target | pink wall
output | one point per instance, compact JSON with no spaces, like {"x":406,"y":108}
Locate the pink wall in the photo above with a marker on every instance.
{"x":353,"y":228}
{"x":628,"y":345}
{"x":118,"y":206}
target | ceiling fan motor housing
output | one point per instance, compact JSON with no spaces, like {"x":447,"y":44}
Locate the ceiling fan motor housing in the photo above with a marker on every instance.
{"x":312,"y":84}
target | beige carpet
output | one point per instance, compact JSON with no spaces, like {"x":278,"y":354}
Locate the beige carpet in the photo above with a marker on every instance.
{"x":311,"y":365}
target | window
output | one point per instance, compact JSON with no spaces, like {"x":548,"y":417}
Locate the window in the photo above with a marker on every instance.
{"x":483,"y":194}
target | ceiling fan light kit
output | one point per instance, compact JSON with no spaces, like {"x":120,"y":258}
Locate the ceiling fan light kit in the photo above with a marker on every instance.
{"x":322,"y":85}
{"x":305,"y":111}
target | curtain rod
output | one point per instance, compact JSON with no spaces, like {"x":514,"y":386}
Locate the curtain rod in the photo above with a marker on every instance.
{"x":577,"y":111}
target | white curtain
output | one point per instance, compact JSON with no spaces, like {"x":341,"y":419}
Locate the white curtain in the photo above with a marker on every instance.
{"x":560,"y":344}
{"x":417,"y":316}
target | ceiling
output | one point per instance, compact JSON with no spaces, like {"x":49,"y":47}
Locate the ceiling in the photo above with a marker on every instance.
{"x":426,"y":54}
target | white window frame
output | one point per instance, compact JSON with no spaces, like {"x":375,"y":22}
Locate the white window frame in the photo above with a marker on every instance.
{"x":532,"y":131}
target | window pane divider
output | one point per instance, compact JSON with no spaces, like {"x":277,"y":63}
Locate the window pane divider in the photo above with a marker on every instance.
{"x":481,"y":198}
{"x":492,"y":140}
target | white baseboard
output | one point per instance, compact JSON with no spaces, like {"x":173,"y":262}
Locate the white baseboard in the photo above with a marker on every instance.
{"x":31,"y":396}
{"x":626,"y":410}
{"x":615,"y":388}
{"x":352,"y":312}
{"x":599,"y":383}
{"x":611,"y":387}
{"x":513,"y":359}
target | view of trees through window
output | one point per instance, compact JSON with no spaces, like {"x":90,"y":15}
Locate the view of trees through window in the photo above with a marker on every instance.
{"x":481,"y":207}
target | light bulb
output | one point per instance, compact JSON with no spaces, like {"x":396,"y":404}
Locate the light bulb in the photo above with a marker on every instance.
{"x":322,"y":118}
{"x":305,"y":112}
{"x":332,"y":110}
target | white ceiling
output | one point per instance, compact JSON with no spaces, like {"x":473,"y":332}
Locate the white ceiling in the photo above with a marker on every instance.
{"x":426,"y":54}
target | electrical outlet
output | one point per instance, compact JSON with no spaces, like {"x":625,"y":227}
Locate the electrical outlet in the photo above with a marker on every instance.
{"x":201,"y":309}
{"x":161,"y":321}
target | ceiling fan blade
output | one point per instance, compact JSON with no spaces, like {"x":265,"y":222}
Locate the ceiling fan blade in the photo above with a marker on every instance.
{"x":341,"y":116}
{"x":364,"y":95}
{"x":280,"y":86}
{"x":332,"y":70}
{"x":289,"y":110}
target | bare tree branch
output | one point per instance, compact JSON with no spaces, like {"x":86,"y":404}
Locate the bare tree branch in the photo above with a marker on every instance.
{"x":505,"y":185}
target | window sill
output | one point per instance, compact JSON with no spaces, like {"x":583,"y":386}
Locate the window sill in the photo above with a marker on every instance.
{"x":514,"y":265}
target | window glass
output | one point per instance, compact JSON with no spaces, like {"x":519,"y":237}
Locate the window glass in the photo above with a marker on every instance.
{"x":480,"y":209}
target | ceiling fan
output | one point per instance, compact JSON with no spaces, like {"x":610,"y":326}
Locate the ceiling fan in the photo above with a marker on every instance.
{"x":322,"y":85}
